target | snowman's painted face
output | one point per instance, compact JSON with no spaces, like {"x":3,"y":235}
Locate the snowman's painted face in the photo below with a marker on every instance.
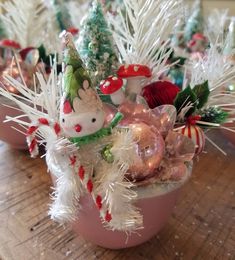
{"x":79,"y":125}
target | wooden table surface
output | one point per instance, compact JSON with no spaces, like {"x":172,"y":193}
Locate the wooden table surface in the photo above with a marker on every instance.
{"x":201,"y":227}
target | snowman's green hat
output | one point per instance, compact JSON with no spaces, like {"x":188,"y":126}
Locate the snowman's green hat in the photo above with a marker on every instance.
{"x":78,"y":94}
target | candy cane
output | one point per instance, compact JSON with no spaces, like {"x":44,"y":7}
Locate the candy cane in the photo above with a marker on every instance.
{"x":89,"y":187}
{"x":31,"y":134}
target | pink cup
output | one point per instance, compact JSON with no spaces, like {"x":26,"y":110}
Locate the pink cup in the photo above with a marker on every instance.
{"x":7,"y":133}
{"x":156,"y":206}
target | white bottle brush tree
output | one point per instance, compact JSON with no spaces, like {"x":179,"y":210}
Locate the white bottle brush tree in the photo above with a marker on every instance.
{"x":30,"y":23}
{"x":141,"y":35}
{"x":195,"y":23}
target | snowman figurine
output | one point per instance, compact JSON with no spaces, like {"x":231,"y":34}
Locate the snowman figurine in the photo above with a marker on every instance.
{"x":103,"y":153}
{"x":81,"y":109}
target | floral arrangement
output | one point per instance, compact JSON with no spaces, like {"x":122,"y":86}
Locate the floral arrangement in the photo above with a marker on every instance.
{"x":148,"y":133}
{"x":30,"y":33}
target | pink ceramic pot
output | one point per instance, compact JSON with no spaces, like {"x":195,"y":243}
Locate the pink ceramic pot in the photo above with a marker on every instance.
{"x":7,"y":133}
{"x":155,"y":205}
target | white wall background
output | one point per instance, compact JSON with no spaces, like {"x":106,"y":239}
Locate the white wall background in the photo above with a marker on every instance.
{"x":209,"y":5}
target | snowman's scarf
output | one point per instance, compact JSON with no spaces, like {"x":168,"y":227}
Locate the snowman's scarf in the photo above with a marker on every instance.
{"x":85,"y":169}
{"x":105,"y":131}
{"x":109,"y":178}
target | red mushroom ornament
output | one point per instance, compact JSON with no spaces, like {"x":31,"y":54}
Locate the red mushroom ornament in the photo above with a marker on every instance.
{"x":133,"y":73}
{"x":113,"y":86}
{"x":8,"y":48}
{"x":9,"y":44}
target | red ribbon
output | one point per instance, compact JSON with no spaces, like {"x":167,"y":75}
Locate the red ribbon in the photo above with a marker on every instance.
{"x":192,"y":120}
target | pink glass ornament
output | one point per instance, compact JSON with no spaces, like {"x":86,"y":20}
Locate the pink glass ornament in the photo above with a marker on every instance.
{"x":110,"y":112}
{"x":138,"y":113}
{"x":149,"y":150}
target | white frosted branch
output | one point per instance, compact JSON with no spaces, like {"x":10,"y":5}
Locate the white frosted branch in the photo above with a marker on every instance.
{"x":30,"y":23}
{"x":140,"y":34}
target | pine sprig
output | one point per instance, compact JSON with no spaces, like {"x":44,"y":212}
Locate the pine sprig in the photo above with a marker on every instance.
{"x":213,"y":115}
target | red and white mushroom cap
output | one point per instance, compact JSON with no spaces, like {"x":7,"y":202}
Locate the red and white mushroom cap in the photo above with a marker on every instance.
{"x":134,"y":70}
{"x":199,"y":36}
{"x":111,"y":85}
{"x":6,"y":43}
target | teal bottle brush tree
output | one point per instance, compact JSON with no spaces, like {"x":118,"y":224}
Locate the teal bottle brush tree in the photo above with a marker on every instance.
{"x":95,"y":45}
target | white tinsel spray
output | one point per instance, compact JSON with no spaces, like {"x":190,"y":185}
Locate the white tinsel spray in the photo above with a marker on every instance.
{"x":216,"y":24}
{"x":77,"y":10}
{"x":219,"y":72}
{"x":140,"y":33}
{"x":30,"y":23}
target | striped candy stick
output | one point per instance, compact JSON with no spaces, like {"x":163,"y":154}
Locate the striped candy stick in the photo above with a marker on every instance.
{"x":196,"y":134}
{"x":89,"y":187}
{"x":31,"y":134}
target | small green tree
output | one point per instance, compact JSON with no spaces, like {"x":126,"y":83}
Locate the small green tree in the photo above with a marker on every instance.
{"x":95,"y":45}
{"x":195,"y":22}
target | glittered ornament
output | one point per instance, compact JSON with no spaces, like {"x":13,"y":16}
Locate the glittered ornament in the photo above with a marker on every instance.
{"x":196,"y":134}
{"x":160,"y":93}
{"x":149,"y":150}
